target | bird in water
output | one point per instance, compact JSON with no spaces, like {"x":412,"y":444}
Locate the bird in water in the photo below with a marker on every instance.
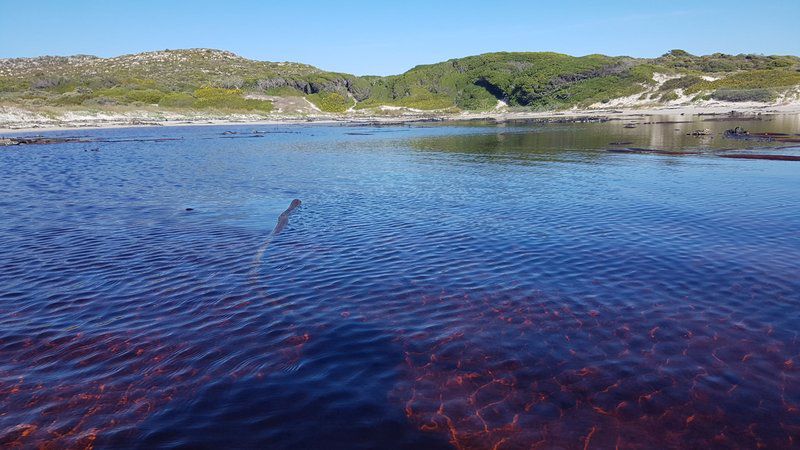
{"x":283,"y":220}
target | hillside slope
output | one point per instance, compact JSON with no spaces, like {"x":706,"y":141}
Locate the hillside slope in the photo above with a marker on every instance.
{"x":213,"y":80}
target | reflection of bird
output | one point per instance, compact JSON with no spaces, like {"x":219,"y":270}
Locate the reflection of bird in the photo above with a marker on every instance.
{"x":283,"y":220}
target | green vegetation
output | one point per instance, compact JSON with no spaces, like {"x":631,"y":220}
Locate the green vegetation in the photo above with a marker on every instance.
{"x":684,"y":82}
{"x":330,"y":101}
{"x":669,"y":96}
{"x":201,"y":79}
{"x":719,"y":62}
{"x":754,"y":79}
{"x":231,"y":99}
{"x":744,"y":95}
{"x":541,"y":80}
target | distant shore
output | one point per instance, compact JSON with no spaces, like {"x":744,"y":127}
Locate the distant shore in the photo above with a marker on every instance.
{"x":17,"y":121}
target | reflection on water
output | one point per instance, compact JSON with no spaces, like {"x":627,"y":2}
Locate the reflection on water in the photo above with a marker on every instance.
{"x":462,"y":286}
{"x":652,"y":132}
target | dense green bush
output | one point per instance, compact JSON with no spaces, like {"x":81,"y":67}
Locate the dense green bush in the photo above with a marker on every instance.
{"x":754,"y":79}
{"x":177,"y":100}
{"x":330,"y":101}
{"x":684,"y":82}
{"x":720,"y":62}
{"x":744,"y":95}
{"x":219,"y":98}
{"x":149,"y":96}
{"x":669,"y":96}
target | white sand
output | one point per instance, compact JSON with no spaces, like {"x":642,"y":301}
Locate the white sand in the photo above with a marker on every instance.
{"x":13,"y":119}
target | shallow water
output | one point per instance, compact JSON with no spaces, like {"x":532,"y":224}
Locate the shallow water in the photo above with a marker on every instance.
{"x":467,"y":286}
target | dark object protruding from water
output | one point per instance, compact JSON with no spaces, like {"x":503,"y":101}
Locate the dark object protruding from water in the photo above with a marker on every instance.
{"x":283,"y":219}
{"x":737,"y":132}
{"x":650,"y":151}
{"x":764,"y":157}
{"x":189,"y":209}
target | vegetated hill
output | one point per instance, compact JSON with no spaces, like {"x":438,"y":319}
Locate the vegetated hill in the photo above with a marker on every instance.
{"x":195,"y":78}
{"x":201,"y":79}
{"x":554,"y":81}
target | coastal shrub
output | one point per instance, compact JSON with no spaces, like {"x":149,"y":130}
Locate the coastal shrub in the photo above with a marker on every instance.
{"x":177,"y":100}
{"x":230,"y":83}
{"x":669,"y":96}
{"x":12,"y":85}
{"x":330,"y":101}
{"x":475,"y":98}
{"x":231,"y":99}
{"x":744,"y":95}
{"x":100,"y":101}
{"x":684,"y":82}
{"x":49,"y":83}
{"x":589,"y":91}
{"x":426,"y":102}
{"x":284,"y":91}
{"x":720,"y":62}
{"x":754,"y":79}
{"x":149,"y":96}
{"x":70,"y":98}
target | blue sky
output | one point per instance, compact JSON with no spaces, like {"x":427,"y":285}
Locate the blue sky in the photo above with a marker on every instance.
{"x":383,"y":37}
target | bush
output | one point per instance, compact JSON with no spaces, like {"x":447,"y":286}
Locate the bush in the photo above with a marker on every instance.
{"x":330,"y":101}
{"x":71,"y":98}
{"x":669,"y":96}
{"x":754,"y":79}
{"x":426,"y":102}
{"x":476,"y":98}
{"x":744,"y":95}
{"x":177,"y":100}
{"x":49,"y":83}
{"x":218,"y":98}
{"x":149,"y":96}
{"x":10,"y":85}
{"x":680,"y":83}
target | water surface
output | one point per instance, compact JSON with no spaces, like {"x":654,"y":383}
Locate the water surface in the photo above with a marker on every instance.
{"x":459,"y":286}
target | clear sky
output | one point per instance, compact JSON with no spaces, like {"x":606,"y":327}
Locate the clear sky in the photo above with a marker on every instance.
{"x":385,"y":37}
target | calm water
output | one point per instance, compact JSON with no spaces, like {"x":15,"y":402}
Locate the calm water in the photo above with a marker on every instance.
{"x":465,"y":286}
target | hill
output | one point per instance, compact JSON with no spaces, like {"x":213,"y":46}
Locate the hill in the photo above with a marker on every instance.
{"x":214,"y":80}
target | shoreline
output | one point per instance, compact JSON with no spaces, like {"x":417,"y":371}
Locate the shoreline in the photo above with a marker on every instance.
{"x":136,"y":119}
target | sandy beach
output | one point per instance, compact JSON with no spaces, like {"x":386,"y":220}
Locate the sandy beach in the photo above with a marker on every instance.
{"x":15,"y":120}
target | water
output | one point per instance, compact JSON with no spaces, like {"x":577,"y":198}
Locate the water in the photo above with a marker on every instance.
{"x":460,"y":286}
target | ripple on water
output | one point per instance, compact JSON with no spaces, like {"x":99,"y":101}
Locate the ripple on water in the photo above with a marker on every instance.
{"x":422,"y":297}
